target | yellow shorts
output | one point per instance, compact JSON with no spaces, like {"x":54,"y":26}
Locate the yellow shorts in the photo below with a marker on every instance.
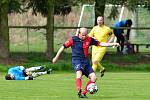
{"x":98,"y":54}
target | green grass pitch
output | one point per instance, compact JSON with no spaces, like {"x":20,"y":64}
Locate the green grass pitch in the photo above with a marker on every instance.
{"x":61,"y":86}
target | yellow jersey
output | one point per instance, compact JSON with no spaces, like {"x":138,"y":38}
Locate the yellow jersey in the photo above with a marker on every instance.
{"x":102,"y":34}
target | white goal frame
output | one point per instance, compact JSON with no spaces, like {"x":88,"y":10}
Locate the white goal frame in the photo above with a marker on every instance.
{"x":81,"y":15}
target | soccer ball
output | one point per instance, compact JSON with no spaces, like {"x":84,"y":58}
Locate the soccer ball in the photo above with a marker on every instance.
{"x":92,"y":88}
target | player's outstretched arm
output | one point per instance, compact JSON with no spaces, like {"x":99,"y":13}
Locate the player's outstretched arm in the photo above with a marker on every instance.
{"x":54,"y":60}
{"x":111,"y":38}
{"x":109,"y":44}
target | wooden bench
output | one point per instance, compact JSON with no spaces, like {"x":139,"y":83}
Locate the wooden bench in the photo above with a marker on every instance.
{"x":136,"y":47}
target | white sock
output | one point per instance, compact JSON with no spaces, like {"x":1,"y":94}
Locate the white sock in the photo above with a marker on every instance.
{"x":36,"y":74}
{"x":33,"y":68}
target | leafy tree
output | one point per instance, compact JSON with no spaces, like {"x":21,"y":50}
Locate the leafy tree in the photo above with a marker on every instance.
{"x":6,"y":6}
{"x":130,"y":4}
{"x":48,"y":8}
{"x":4,"y":36}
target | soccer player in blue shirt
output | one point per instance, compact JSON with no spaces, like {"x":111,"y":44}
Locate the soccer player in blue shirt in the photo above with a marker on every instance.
{"x":80,"y":45}
{"x":119,"y":33}
{"x":20,"y":73}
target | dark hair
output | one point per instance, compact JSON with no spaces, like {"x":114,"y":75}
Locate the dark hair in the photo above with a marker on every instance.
{"x":129,"y":22}
{"x":8,"y":77}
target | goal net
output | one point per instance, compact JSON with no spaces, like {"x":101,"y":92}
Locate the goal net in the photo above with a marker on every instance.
{"x":87,"y":16}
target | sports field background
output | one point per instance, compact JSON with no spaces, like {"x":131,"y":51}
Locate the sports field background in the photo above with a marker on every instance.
{"x":61,"y":86}
{"x":119,"y":83}
{"x":35,"y":39}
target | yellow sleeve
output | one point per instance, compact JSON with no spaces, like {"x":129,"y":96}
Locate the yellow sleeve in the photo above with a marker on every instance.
{"x":91,"y":34}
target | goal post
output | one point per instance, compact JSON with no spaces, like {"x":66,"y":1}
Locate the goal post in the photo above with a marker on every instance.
{"x":87,"y":16}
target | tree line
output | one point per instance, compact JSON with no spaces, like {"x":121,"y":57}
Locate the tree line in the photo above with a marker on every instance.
{"x":49,"y":8}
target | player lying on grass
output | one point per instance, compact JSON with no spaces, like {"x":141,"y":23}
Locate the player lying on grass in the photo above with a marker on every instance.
{"x":21,"y":73}
{"x":80,"y":45}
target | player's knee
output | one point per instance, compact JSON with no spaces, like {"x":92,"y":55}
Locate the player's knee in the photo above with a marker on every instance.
{"x":95,"y":62}
{"x":93,"y":77}
{"x":78,"y":74}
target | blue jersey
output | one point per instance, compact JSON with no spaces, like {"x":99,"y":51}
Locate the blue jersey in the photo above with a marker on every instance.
{"x":122,"y":23}
{"x":17,"y":72}
{"x":80,"y":53}
{"x":80,"y":47}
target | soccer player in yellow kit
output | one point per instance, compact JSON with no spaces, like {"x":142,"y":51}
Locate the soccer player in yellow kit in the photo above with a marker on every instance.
{"x":104,"y":34}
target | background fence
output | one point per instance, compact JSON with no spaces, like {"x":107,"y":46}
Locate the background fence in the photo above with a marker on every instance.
{"x":33,"y":39}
